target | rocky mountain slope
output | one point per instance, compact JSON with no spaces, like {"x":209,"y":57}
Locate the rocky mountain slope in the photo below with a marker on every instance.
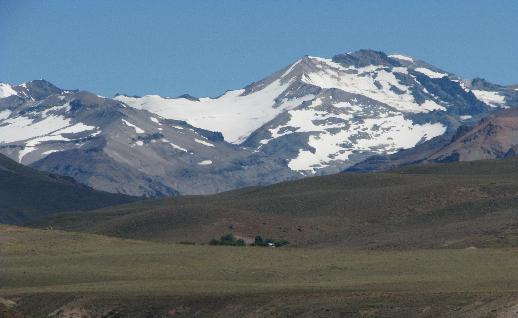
{"x":315,"y":116}
{"x":494,"y":137}
{"x":26,"y":194}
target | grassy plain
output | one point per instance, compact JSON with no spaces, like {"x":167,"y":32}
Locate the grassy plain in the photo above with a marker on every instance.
{"x":64,"y":274}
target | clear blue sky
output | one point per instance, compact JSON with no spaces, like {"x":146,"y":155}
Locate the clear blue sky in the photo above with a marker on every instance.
{"x":206,"y":47}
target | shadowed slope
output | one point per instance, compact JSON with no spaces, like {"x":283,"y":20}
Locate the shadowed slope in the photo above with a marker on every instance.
{"x":26,"y":193}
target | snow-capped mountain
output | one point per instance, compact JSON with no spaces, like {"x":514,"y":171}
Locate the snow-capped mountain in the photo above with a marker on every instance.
{"x":315,"y":116}
{"x":105,"y":144}
{"x":324,"y":115}
{"x":33,"y":90}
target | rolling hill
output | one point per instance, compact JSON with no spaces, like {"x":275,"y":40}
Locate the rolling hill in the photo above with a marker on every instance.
{"x":438,"y":205}
{"x":26,"y":193}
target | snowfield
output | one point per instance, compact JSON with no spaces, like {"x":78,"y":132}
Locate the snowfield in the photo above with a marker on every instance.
{"x":235,"y":115}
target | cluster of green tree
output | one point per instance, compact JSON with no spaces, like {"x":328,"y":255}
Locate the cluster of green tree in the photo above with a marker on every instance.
{"x":269,"y":242}
{"x":229,"y":240}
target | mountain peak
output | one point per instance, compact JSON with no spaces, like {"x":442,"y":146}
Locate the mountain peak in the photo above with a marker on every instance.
{"x":365,"y":57}
{"x":482,"y":84}
{"x":189,"y":97}
{"x":37,"y":89}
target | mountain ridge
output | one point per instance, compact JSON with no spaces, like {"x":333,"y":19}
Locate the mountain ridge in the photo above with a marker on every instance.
{"x":315,"y":116}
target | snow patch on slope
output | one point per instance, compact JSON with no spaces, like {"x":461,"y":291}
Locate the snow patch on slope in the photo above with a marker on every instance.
{"x":401,"y":57}
{"x":30,"y":145}
{"x":493,"y":99}
{"x":56,"y":136}
{"x":430,"y":73}
{"x":6,"y":90}
{"x":208,"y":144}
{"x":153,"y":119}
{"x":31,"y":131}
{"x":48,"y":152}
{"x":175,"y":146}
{"x":138,"y":130}
{"x":22,"y":128}
{"x":77,"y":128}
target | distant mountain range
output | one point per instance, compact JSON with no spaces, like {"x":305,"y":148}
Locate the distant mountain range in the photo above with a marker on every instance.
{"x":316,"y":116}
